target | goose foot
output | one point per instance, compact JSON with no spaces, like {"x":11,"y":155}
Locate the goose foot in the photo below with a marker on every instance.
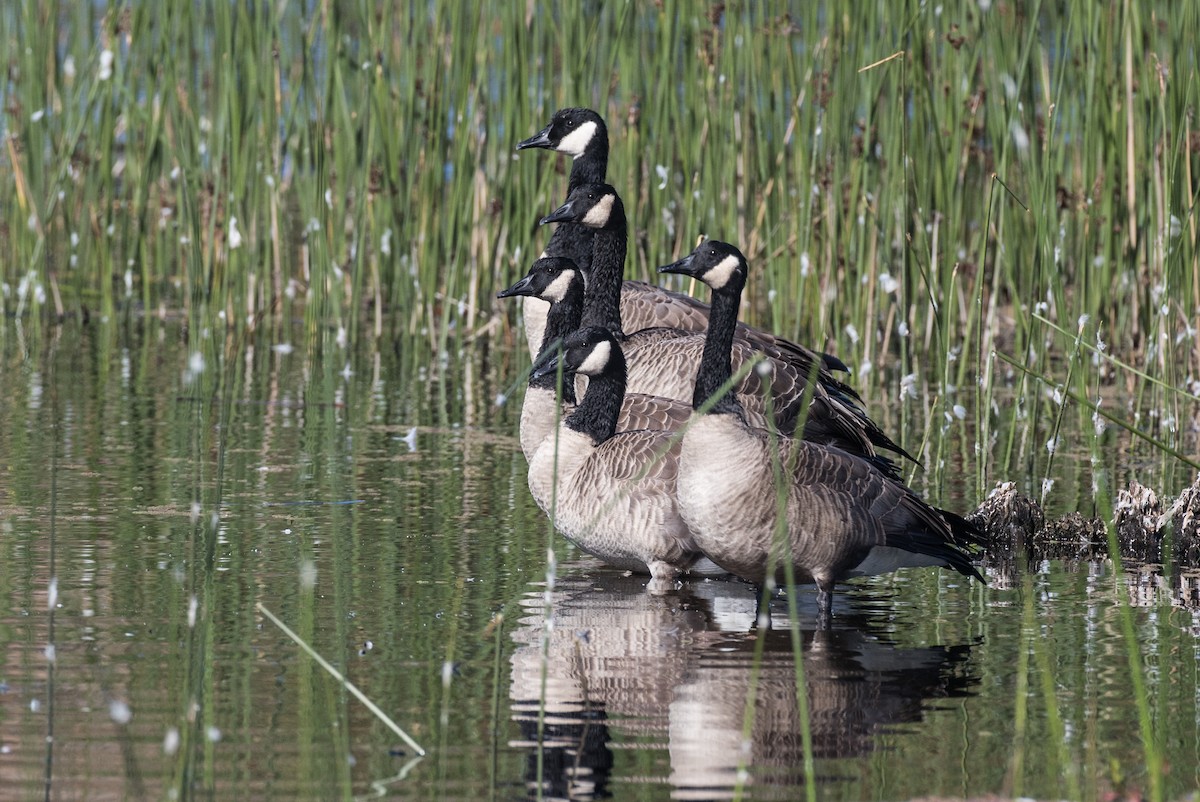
{"x":664,"y":578}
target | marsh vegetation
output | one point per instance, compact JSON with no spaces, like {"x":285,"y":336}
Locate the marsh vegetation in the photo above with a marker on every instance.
{"x":250,"y":352}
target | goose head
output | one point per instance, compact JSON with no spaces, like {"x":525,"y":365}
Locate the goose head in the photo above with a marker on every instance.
{"x":551,"y":278}
{"x":571,"y":131}
{"x":585,"y":352}
{"x":718,"y":264}
{"x":591,"y":205}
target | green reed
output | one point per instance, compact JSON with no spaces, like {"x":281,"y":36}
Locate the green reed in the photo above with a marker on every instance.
{"x":366,"y":153}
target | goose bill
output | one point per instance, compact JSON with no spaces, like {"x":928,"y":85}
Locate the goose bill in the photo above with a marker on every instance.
{"x":539,"y":140}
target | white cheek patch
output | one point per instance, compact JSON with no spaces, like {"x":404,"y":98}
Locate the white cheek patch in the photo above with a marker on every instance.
{"x":596,"y":360}
{"x":557,"y":290}
{"x":576,"y":142}
{"x":597,"y":216}
{"x":718,"y":275}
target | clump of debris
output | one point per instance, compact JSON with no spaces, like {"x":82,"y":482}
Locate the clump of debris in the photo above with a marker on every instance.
{"x":1015,"y":524}
{"x":1136,"y":516}
{"x":1009,"y":519}
{"x":1185,"y":513}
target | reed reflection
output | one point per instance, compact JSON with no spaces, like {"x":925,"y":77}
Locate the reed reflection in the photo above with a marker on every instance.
{"x":674,"y":672}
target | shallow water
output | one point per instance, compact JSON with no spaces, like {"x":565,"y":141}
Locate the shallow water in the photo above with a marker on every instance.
{"x":153,"y":493}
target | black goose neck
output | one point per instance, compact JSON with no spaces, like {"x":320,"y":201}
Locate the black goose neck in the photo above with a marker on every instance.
{"x":596,"y":416}
{"x":602,"y":296}
{"x":550,"y":380}
{"x":574,"y":241}
{"x":715,"y":362}
{"x":561,"y":319}
{"x":591,"y":166}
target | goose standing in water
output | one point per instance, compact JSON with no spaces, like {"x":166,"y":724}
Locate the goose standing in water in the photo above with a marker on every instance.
{"x":612,"y":493}
{"x":662,"y":361}
{"x":844,"y":517}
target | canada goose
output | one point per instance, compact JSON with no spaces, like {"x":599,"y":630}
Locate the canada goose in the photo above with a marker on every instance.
{"x":582,"y":134}
{"x":845,"y":518}
{"x":612,"y":493}
{"x":662,"y":361}
{"x":559,"y":282}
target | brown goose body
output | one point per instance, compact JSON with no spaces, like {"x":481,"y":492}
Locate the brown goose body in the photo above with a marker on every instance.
{"x":842,"y":516}
{"x":612,"y":493}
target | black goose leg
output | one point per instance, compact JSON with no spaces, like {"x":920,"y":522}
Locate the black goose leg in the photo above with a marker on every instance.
{"x":762,"y":608}
{"x":824,"y":607}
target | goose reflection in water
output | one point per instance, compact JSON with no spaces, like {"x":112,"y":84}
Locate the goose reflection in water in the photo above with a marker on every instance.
{"x":672,"y":672}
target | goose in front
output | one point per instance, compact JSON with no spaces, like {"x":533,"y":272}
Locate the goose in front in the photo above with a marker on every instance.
{"x":582,"y":134}
{"x":662,"y":361}
{"x":612,"y":493}
{"x":557,"y":281}
{"x":844,"y":517}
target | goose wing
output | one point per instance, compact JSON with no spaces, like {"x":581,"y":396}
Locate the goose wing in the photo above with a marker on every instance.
{"x":642,"y":411}
{"x":645,"y":306}
{"x":870,"y":509}
{"x":662,"y":361}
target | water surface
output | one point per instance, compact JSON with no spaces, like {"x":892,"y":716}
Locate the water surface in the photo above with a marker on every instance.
{"x":156,"y":485}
